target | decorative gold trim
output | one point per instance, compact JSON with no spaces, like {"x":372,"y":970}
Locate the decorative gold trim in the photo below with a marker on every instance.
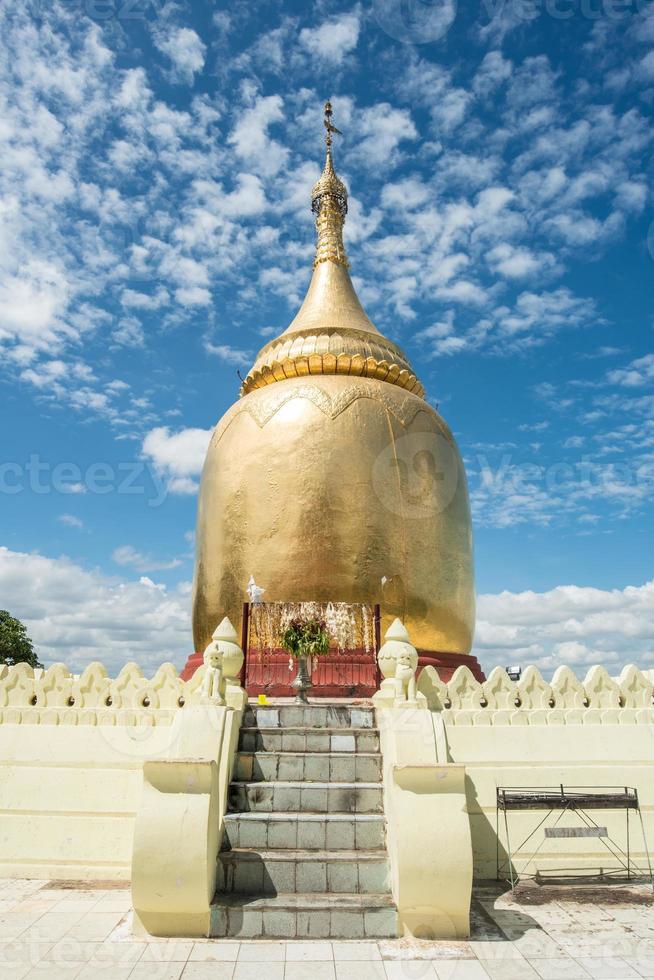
{"x":345,"y":351}
{"x":263,"y":407}
{"x":328,"y":364}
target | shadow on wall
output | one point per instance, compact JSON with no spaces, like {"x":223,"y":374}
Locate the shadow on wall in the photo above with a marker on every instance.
{"x":482,"y":830}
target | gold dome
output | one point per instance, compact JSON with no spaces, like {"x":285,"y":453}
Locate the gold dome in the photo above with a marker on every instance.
{"x":332,"y":474}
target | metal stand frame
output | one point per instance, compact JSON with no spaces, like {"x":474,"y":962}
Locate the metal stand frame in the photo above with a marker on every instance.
{"x":566,"y":799}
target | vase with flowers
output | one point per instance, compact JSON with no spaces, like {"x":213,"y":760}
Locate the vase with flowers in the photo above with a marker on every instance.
{"x":304,"y":638}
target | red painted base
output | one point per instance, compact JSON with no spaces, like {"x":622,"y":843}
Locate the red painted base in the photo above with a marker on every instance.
{"x":446,"y":663}
{"x":353,"y":675}
{"x":194,"y":661}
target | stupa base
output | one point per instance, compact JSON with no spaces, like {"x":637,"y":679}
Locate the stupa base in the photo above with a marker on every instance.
{"x":342,"y":676}
{"x":446,"y":663}
{"x":194,"y":661}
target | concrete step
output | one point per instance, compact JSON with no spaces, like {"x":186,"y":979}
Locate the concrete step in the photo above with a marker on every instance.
{"x":338,"y":767}
{"x":250,"y":871}
{"x":305,"y":797}
{"x":309,"y":716}
{"x":303,"y":917}
{"x":301,"y":739}
{"x":307,"y":831}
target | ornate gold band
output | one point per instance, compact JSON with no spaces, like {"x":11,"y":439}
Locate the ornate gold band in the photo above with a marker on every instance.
{"x":314,"y":364}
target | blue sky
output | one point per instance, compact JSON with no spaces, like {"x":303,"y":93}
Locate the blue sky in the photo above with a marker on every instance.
{"x":155,"y":232}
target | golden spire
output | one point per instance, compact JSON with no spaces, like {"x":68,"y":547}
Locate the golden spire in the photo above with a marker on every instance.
{"x":329,"y":204}
{"x":331,"y":332}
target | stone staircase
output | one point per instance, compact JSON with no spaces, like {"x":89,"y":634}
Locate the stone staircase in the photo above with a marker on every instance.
{"x":304,"y":852}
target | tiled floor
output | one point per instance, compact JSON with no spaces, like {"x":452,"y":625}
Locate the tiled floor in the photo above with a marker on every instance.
{"x":546,"y":933}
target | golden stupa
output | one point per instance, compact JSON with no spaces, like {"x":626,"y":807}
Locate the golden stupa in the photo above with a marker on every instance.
{"x":332,"y":478}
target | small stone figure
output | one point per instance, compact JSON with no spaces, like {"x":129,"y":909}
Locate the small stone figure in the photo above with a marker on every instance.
{"x":405,"y":674}
{"x":213,"y":685}
{"x":398,"y":662}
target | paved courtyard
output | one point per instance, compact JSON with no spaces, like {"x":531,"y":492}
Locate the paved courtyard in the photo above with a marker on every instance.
{"x":60,"y":932}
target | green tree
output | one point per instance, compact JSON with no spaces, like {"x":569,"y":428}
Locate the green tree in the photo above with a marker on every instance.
{"x":15,"y":645}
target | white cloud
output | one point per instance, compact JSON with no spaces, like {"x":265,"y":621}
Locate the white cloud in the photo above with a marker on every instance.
{"x":569,"y":624}
{"x":177,"y":456}
{"x":431,"y":85}
{"x":646,"y":67}
{"x":533,"y":83}
{"x":380,"y":129}
{"x":32,"y":303}
{"x":640,"y":372}
{"x":77,"y":616}
{"x":631,"y":195}
{"x":532,"y":320}
{"x":406,"y":194}
{"x":184,"y":48}
{"x":230,"y":355}
{"x":193,"y":296}
{"x":250,"y":137}
{"x":127,"y":555}
{"x":492,"y":72}
{"x":462,"y":291}
{"x":519,"y":263}
{"x":70,"y":521}
{"x":333,"y":40}
{"x":248,"y":198}
{"x":133,"y":299}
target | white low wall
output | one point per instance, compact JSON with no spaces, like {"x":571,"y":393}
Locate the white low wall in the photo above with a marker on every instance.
{"x":534,"y":734}
{"x":69,"y":796}
{"x":72,"y":751}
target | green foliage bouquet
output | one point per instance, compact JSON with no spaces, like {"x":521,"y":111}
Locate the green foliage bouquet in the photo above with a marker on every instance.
{"x":305,"y":638}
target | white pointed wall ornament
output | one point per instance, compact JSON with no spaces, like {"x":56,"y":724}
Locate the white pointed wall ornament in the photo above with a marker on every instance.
{"x":225,"y":640}
{"x":398,"y":662}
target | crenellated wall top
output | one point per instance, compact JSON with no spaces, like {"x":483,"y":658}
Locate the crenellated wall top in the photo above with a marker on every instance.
{"x":56,"y":696}
{"x":597,"y":699}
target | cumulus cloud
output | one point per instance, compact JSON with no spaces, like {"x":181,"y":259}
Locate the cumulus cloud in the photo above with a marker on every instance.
{"x":333,"y":40}
{"x":32,"y":304}
{"x":250,"y":137}
{"x":77,"y":616}
{"x":640,"y":372}
{"x":380,"y":129}
{"x":568,"y":625}
{"x":228,"y":354}
{"x":193,"y":296}
{"x":529,"y":323}
{"x":521,"y":262}
{"x":74,"y":222}
{"x":69,"y":520}
{"x":432,"y":86}
{"x":129,"y":556}
{"x":492,"y":72}
{"x":177,"y":456}
{"x":184,"y":48}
